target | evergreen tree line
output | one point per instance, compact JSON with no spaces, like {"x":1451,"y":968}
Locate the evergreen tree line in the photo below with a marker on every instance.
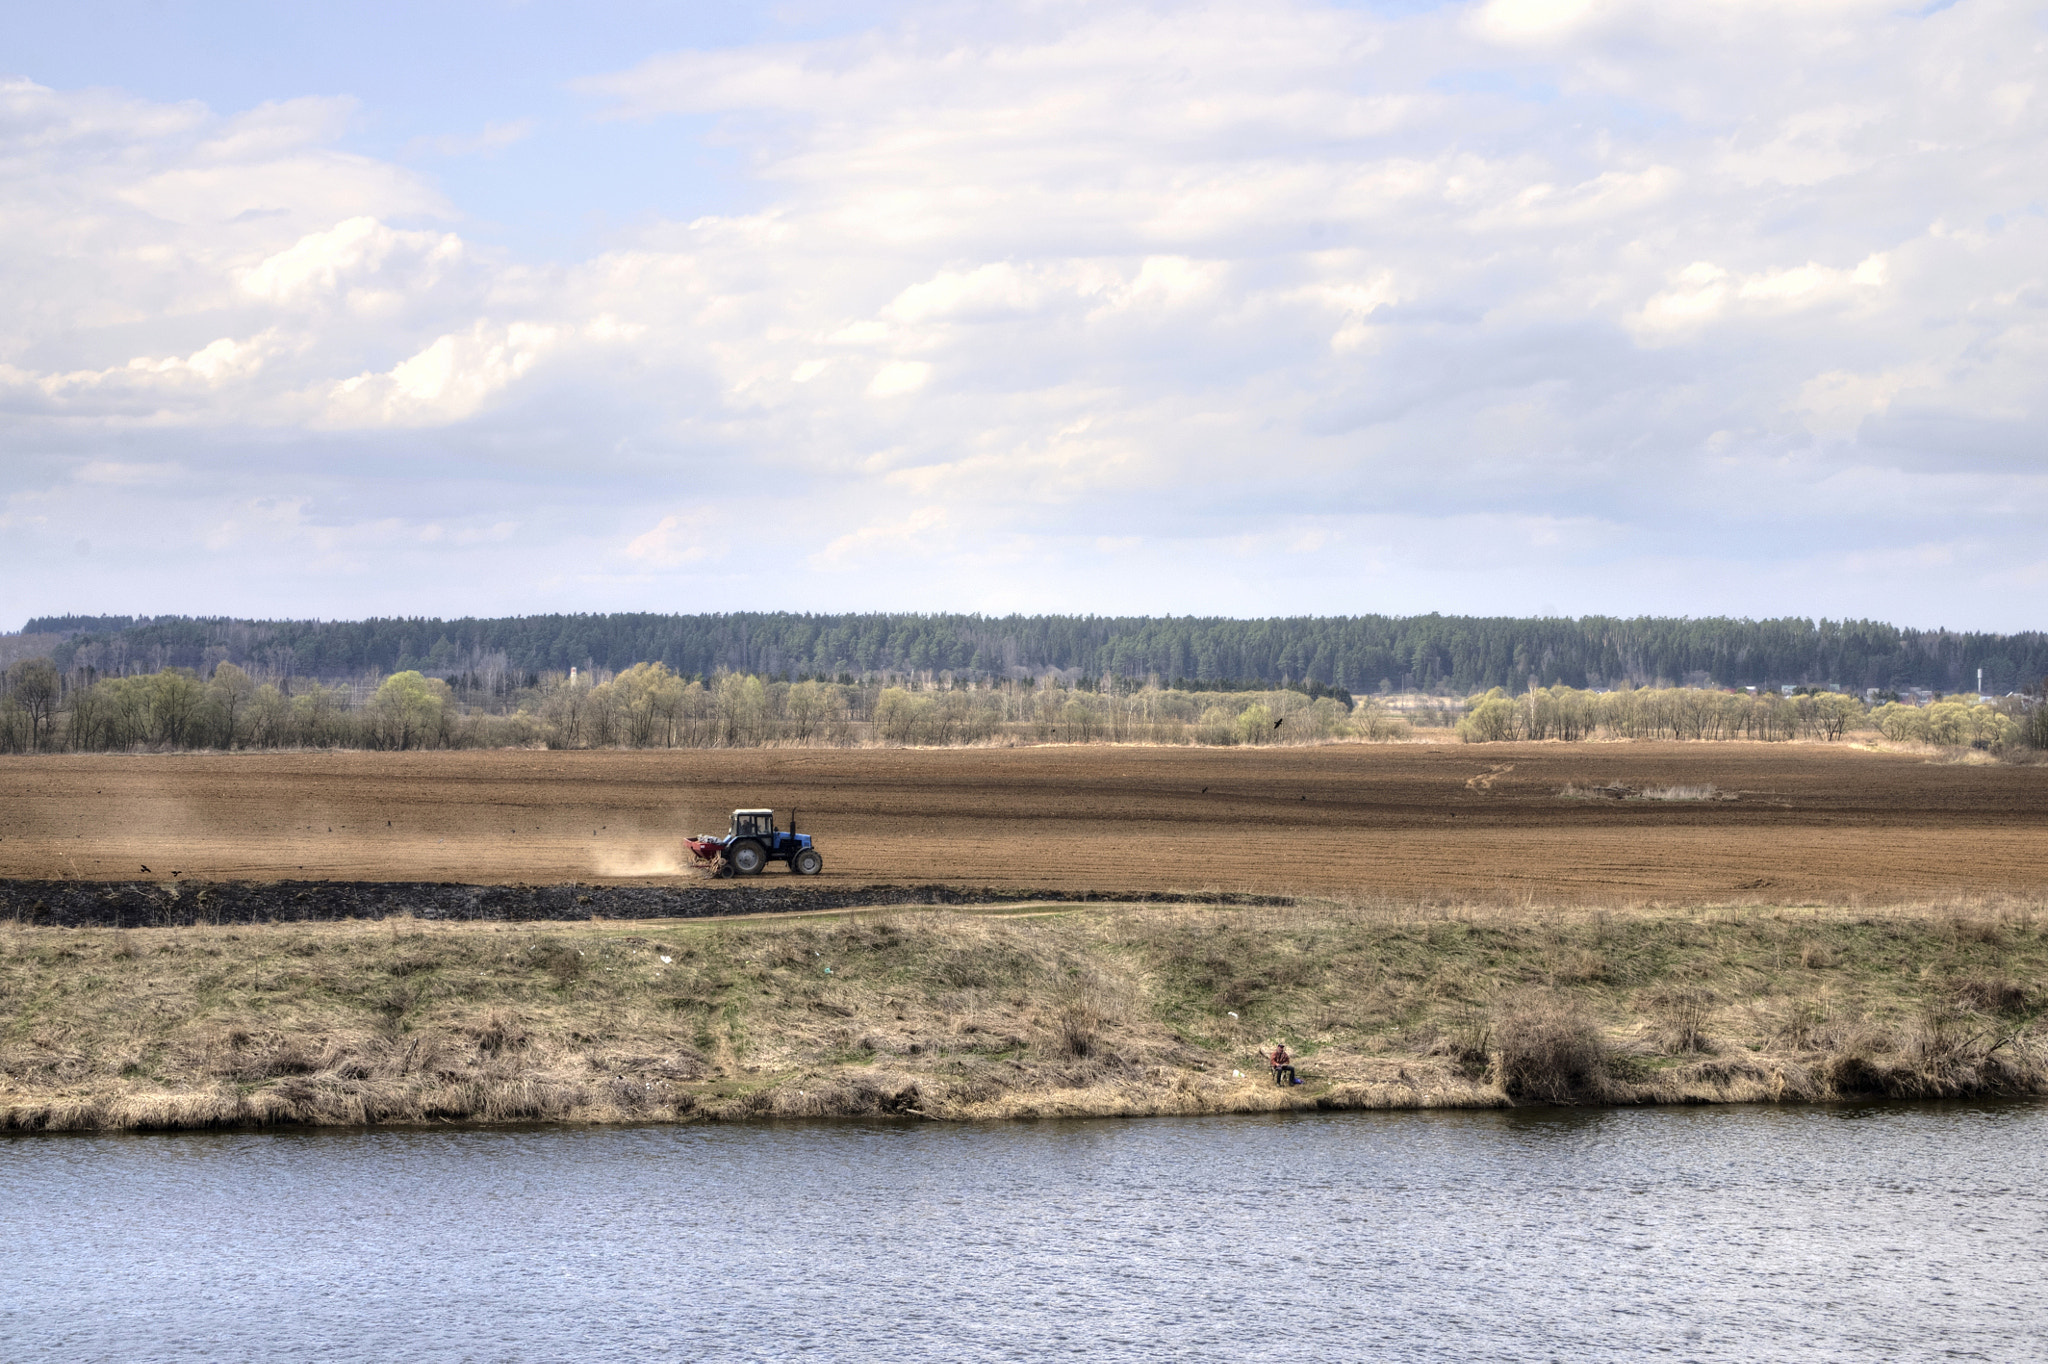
{"x":1450,"y":655}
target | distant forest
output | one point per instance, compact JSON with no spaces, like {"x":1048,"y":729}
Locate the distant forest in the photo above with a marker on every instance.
{"x":1362,"y":654}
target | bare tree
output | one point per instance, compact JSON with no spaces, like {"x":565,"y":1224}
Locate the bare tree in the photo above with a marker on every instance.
{"x":231,"y":692}
{"x":36,"y":688}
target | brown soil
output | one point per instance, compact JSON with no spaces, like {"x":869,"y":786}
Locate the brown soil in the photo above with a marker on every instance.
{"x":1784,"y":822}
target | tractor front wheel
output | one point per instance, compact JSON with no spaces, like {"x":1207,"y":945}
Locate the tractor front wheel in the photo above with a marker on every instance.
{"x":809,"y":862}
{"x":746,"y":859}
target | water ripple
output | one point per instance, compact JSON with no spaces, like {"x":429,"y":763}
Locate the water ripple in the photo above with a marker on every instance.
{"x":1699,"y":1234}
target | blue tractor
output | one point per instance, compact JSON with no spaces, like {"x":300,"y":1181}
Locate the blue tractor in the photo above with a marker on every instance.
{"x":754,"y":842}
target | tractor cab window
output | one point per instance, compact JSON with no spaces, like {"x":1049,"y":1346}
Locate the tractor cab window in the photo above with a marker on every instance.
{"x":753,"y":824}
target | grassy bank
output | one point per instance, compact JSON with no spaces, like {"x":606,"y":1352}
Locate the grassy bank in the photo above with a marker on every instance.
{"x":952,"y":1014}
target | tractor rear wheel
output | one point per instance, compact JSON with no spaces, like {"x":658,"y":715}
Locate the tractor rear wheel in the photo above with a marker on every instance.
{"x":746,"y":859}
{"x":809,"y":862}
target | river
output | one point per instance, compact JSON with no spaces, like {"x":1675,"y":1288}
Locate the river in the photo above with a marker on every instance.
{"x":1746,"y":1234}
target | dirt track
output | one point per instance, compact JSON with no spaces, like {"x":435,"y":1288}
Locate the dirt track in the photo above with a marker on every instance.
{"x":1803,"y":820}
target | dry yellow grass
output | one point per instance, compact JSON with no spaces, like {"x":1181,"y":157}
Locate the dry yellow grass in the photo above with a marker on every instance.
{"x":948,"y":1014}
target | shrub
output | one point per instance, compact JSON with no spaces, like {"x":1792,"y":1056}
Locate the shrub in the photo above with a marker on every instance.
{"x":1468,"y":1042}
{"x":1990,"y":994}
{"x":1548,"y":1050}
{"x":1255,"y":724}
{"x":1491,"y":721}
{"x":559,"y":959}
{"x":1682,"y":1021}
{"x":1075,"y":1032}
{"x":1218,"y":726}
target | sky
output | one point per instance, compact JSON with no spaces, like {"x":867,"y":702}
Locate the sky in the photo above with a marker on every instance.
{"x":1550,"y":307}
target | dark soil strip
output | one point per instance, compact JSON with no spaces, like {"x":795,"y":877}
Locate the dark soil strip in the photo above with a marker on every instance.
{"x":148,"y":904}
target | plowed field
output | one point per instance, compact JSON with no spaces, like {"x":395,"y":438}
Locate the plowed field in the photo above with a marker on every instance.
{"x":1780,"y":820}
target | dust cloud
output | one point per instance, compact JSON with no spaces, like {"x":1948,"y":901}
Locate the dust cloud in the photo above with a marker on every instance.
{"x":639,"y":862}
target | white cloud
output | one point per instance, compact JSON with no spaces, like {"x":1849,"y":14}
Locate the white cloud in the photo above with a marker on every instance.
{"x":1355,"y":300}
{"x":990,"y":291}
{"x":175,"y":387}
{"x":899,"y":377}
{"x":923,"y":533}
{"x":1168,"y":282}
{"x":679,"y":539}
{"x":1835,"y":403}
{"x":1518,"y":21}
{"x":324,"y":263}
{"x":281,"y":128}
{"x":1704,"y":292}
{"x":449,"y":380}
{"x":1610,"y":195}
{"x":1554,"y":271}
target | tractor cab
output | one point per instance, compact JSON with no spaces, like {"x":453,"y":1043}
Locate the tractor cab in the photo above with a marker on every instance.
{"x":753,"y":824}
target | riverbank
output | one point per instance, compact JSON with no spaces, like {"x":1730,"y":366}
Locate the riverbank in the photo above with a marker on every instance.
{"x":1016,"y":1012}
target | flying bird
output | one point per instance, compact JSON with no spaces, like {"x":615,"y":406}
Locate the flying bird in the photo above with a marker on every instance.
{"x":145,"y":867}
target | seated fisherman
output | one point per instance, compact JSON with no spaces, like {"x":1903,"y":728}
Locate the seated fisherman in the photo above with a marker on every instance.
{"x":1283,"y":1066}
